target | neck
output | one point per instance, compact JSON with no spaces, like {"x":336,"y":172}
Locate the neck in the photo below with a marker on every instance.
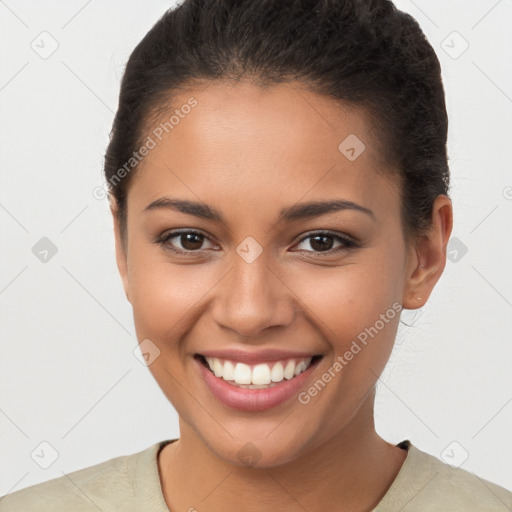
{"x":351,"y":471}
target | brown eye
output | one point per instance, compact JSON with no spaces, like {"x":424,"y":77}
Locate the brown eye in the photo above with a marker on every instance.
{"x":187,"y":241}
{"x":191,"y":241}
{"x":323,"y":242}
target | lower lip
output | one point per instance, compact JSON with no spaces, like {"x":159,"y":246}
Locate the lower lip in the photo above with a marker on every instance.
{"x":244,"y":399}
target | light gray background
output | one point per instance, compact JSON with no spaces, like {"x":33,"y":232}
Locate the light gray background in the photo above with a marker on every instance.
{"x":68,"y":374}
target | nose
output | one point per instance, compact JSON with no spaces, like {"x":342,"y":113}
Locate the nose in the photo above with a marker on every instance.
{"x":253,"y":297}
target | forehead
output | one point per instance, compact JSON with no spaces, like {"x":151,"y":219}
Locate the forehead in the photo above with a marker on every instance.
{"x":250,"y":143}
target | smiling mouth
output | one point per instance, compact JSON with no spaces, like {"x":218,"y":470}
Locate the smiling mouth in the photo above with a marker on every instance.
{"x":257,"y":376}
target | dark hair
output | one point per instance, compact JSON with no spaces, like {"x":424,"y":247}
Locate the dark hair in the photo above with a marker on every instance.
{"x":360,"y":52}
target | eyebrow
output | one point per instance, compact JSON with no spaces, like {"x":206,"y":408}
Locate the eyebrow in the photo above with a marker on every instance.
{"x":287,"y":214}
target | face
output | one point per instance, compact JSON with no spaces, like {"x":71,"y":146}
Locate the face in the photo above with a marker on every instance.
{"x":256,"y":280}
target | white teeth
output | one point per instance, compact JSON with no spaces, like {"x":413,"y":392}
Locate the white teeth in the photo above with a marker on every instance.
{"x":242,"y":373}
{"x":229,"y":371}
{"x":259,"y":375}
{"x":300,"y":367}
{"x":289,"y":371}
{"x":277,"y":373}
{"x":217,"y":368}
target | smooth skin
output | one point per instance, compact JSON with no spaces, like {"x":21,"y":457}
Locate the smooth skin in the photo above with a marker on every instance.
{"x":249,"y":151}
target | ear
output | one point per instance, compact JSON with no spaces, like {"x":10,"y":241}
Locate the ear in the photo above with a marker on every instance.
{"x":429,"y":255}
{"x":121,"y":256}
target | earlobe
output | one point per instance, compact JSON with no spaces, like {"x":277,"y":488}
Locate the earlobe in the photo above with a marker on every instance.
{"x":430,"y":255}
{"x":417,"y":291}
{"x":121,"y":256}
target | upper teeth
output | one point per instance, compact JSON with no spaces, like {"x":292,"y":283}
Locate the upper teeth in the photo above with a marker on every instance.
{"x":259,"y":374}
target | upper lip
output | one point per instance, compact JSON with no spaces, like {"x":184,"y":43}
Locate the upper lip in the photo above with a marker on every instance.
{"x":260,"y":356}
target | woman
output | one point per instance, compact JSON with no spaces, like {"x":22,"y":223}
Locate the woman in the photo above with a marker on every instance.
{"x":279,"y":189}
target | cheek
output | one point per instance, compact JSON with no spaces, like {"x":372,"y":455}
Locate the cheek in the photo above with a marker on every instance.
{"x":165,"y":297}
{"x":348,"y":298}
{"x":357,"y":308}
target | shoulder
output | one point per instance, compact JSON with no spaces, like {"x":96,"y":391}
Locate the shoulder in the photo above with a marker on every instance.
{"x":107,"y":486}
{"x":425,"y":483}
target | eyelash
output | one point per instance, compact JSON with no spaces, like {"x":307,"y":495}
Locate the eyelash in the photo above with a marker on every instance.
{"x":163,"y":241}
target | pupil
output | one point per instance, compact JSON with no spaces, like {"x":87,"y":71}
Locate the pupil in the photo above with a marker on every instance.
{"x":187,"y":239}
{"x":322,"y":244}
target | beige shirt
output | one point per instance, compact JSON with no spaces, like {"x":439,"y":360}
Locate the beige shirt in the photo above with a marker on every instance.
{"x":131,"y":483}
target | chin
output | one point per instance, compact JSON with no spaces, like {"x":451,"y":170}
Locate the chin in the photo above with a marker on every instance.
{"x":261,"y":447}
